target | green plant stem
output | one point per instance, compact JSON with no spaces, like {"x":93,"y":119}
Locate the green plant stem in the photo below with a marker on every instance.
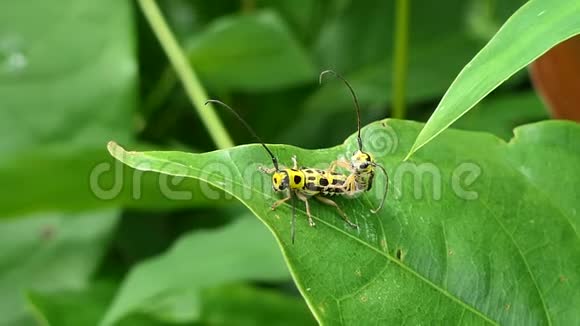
{"x":400,"y":58}
{"x":191,"y":83}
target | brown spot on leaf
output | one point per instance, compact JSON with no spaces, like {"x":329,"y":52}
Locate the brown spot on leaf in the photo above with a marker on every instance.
{"x":399,"y":254}
{"x":384,"y":244}
{"x":47,"y":233}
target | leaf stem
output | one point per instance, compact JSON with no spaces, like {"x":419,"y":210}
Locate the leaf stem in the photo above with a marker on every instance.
{"x":191,"y":83}
{"x":400,"y":58}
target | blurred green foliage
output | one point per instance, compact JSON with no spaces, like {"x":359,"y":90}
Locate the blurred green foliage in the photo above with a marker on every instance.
{"x":74,"y":74}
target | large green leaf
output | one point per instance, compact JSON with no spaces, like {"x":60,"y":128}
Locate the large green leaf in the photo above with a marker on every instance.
{"x":48,"y":252}
{"x":250,"y":52}
{"x":535,"y":28}
{"x":200,"y":260}
{"x":475,"y":230}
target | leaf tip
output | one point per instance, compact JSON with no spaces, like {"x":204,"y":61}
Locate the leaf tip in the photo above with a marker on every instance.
{"x":418,"y":144}
{"x":411,"y":152}
{"x":115,"y":149}
{"x":111,"y":145}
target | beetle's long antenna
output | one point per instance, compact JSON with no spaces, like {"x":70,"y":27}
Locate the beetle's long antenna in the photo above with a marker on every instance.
{"x":354,"y":98}
{"x":386,"y":188}
{"x":293,"y":223}
{"x":274,"y":159}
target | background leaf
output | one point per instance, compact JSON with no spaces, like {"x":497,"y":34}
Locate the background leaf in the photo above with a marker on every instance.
{"x":50,"y":252}
{"x":195,"y":265}
{"x":500,"y":115}
{"x":472,"y":237}
{"x":91,"y":182}
{"x":88,"y":304}
{"x":244,"y":305}
{"x":244,"y":52}
{"x":238,"y":304}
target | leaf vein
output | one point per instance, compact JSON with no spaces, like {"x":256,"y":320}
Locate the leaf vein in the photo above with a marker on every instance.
{"x":524,"y":260}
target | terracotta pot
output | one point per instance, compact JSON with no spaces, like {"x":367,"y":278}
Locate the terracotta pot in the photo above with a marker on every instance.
{"x":556,"y":77}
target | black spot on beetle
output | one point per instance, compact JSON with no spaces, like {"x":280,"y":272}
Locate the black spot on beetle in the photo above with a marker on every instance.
{"x":297,"y":179}
{"x":337,"y":182}
{"x":323,"y":182}
{"x":309,"y":171}
{"x":312,"y":178}
{"x":311,"y":186}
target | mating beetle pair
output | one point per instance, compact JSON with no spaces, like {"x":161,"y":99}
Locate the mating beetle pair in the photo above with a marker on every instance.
{"x":304,"y":183}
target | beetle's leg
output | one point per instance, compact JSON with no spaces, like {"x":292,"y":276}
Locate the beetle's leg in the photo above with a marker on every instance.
{"x":280,"y":202}
{"x":266,"y":170}
{"x":294,"y":162}
{"x":340,"y":163}
{"x":303,"y":198}
{"x":330,"y":202}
